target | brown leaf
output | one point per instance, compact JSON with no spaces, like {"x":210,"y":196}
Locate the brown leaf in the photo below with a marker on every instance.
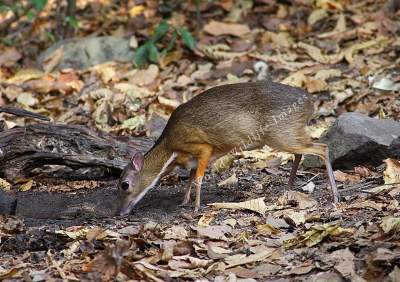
{"x":53,"y":59}
{"x":295,"y":218}
{"x":301,"y":269}
{"x":231,"y":180}
{"x":349,"y":52}
{"x":96,"y":233}
{"x":145,"y":76}
{"x":9,"y":57}
{"x":344,"y":260}
{"x":256,"y":205}
{"x":183,"y":248}
{"x":241,"y":259}
{"x":214,"y":251}
{"x":346,"y":177}
{"x":243,"y":272}
{"x":4,"y":185}
{"x":367,"y":204}
{"x":316,"y":54}
{"x":213,"y":232}
{"x":391,"y":175}
{"x":175,"y":232}
{"x":303,"y":201}
{"x":267,"y":229}
{"x":362,"y":171}
{"x":24,"y":75}
{"x":26,"y":186}
{"x":390,"y":224}
{"x":267,"y":269}
{"x":27,"y":99}
{"x":220,"y":28}
{"x":7,"y":274}
{"x":206,"y":219}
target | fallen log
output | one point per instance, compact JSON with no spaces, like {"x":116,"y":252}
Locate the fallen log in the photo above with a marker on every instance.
{"x":81,"y":152}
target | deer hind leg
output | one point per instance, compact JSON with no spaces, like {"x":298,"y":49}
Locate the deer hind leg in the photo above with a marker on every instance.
{"x":322,"y":151}
{"x":188,"y":188}
{"x":295,"y":166}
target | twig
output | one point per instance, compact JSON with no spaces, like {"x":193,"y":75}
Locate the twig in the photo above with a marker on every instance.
{"x":22,"y":113}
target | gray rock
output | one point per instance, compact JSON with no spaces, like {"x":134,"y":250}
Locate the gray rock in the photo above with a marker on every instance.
{"x":81,"y":53}
{"x":356,"y":139}
{"x":7,"y":203}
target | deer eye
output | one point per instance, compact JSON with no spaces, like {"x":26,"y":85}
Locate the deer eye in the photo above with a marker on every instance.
{"x":125,"y":185}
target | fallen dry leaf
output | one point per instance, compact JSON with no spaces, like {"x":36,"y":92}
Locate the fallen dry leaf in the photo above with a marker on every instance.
{"x":26,"y":99}
{"x":176,"y":232}
{"x":145,"y":76}
{"x":295,"y":218}
{"x":315,"y":235}
{"x":25,"y":75}
{"x":309,"y":187}
{"x":390,"y":224}
{"x":344,"y":262}
{"x":206,"y":219}
{"x":367,"y":204}
{"x":256,"y":205}
{"x":242,"y":259}
{"x":215,"y":251}
{"x":231,"y":180}
{"x":223,"y":163}
{"x":26,"y":186}
{"x":391,"y":175}
{"x":220,"y":28}
{"x":267,"y":229}
{"x":219,"y":52}
{"x":301,"y":269}
{"x":316,"y":54}
{"x":350,"y":51}
{"x":346,"y":177}
{"x":4,"y":185}
{"x":9,"y":57}
{"x":317,"y":15}
{"x":213,"y":232}
{"x":303,"y":201}
{"x":53,"y":59}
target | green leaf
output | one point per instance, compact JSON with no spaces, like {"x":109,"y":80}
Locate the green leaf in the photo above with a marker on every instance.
{"x":30,"y":15}
{"x":72,"y":21}
{"x":171,"y":43}
{"x":187,"y":38}
{"x":38,"y":4}
{"x":160,"y":31}
{"x":153,"y":52}
{"x":141,"y":55}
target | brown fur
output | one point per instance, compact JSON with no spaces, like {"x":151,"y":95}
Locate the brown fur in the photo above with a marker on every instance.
{"x":228,"y":118}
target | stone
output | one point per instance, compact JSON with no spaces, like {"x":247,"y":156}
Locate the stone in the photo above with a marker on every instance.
{"x":82,"y":53}
{"x":7,"y":202}
{"x":356,"y":139}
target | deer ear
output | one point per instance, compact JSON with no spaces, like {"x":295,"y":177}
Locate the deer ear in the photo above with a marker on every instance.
{"x":137,"y":161}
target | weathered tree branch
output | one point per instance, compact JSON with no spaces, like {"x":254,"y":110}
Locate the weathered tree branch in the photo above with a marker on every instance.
{"x":76,"y":148}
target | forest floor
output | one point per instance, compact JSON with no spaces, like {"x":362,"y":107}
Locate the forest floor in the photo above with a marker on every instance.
{"x":250,"y":227}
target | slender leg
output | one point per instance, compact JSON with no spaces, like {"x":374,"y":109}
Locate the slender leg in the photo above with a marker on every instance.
{"x":202,"y":163}
{"x":295,"y":166}
{"x":188,"y":188}
{"x":332,"y":182}
{"x":322,"y":151}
